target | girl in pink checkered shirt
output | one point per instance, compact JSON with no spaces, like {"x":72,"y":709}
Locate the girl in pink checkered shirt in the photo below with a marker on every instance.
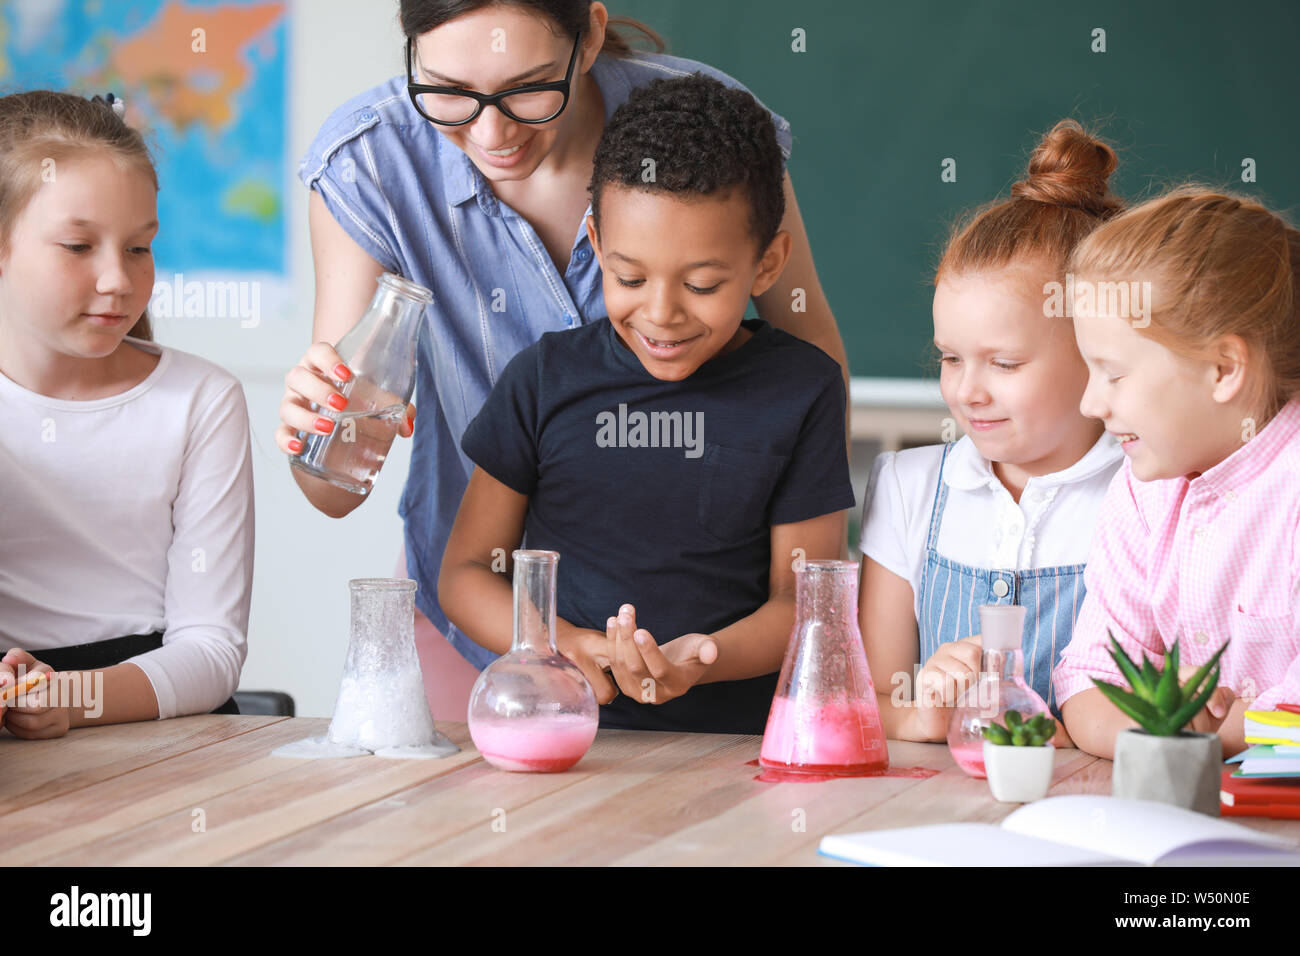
{"x":1187,"y":312}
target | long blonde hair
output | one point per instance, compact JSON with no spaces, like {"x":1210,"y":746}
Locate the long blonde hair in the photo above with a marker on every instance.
{"x":1219,"y":264}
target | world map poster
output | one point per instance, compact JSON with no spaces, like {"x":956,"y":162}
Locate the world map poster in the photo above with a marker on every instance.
{"x":205,"y":81}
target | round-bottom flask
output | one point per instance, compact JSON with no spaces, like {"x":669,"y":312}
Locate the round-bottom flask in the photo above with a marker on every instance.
{"x":999,"y":687}
{"x":531,"y":709}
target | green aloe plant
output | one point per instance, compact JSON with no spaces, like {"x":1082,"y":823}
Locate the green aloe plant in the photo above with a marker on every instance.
{"x":1018,"y":732}
{"x":1156,"y":701}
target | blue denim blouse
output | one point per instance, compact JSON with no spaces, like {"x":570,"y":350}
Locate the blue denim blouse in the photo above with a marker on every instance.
{"x":420,"y":208}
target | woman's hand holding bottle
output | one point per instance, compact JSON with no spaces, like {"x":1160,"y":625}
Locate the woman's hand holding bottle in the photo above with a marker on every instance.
{"x":315,"y":379}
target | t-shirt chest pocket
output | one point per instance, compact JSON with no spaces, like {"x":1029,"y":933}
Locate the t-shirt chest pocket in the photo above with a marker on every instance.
{"x":735,"y":488}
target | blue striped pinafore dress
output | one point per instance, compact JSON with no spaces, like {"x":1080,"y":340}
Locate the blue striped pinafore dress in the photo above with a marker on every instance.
{"x":951,"y":594}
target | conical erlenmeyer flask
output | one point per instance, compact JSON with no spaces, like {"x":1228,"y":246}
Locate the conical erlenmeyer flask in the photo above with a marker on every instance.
{"x":380,"y":351}
{"x":824,"y":717}
{"x":532,"y":709}
{"x":381,"y":707}
{"x":999,"y":687}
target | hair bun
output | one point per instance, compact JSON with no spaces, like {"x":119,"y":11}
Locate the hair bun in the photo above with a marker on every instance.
{"x":1071,"y":168}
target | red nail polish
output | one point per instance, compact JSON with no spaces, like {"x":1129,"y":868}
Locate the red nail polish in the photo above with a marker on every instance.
{"x":295,"y":445}
{"x":324,"y":425}
{"x":341,"y":372}
{"x":338,"y":402}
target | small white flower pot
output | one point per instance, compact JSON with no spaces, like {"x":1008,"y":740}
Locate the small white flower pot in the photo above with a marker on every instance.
{"x":1018,"y":774}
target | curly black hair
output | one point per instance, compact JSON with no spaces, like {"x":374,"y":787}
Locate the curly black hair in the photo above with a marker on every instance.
{"x":704,"y":138}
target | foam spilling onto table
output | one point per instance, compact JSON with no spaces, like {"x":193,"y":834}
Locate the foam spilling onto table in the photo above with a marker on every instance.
{"x":381,"y":708}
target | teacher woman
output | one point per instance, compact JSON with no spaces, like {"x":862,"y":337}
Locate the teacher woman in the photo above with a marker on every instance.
{"x":478,"y":191}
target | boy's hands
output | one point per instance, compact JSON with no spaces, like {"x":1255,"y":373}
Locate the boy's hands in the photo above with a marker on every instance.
{"x":36,"y":719}
{"x":652,"y":674}
{"x":590,"y":651}
{"x":627,"y":659}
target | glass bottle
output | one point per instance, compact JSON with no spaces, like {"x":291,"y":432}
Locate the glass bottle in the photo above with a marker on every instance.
{"x":382,"y":703}
{"x":380,"y":351}
{"x":824,"y":717}
{"x":531,"y":709}
{"x":999,"y":687}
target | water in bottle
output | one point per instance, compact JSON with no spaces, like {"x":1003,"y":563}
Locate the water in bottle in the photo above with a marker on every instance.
{"x":380,"y":350}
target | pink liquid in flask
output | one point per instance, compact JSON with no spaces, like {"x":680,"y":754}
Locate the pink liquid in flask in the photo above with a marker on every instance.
{"x":531,"y":709}
{"x":545,"y":745}
{"x":969,"y":755}
{"x":839,"y":737}
{"x":824,"y":718}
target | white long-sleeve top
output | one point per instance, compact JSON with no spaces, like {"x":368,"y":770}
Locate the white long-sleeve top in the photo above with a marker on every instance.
{"x":128,"y":515}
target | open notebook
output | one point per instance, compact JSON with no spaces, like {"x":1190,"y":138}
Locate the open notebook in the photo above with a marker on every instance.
{"x":1075,"y":830}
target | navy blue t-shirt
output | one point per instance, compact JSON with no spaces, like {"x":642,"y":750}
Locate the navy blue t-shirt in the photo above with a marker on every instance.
{"x":662,"y":494}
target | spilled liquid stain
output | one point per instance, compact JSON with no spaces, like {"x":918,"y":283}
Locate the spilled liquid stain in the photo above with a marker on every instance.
{"x":768,"y":775}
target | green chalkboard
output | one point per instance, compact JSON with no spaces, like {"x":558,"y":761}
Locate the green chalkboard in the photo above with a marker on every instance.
{"x":884,"y":92}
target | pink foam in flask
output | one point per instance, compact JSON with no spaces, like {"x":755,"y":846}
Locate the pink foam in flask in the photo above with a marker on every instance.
{"x":532,"y":709}
{"x":824,"y":718}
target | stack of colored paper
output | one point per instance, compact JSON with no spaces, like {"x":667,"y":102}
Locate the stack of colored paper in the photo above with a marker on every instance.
{"x":1268,"y":760}
{"x":1272,"y":727}
{"x":1267,"y":782}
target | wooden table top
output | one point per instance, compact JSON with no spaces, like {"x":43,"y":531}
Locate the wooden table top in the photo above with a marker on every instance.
{"x":205,"y":790}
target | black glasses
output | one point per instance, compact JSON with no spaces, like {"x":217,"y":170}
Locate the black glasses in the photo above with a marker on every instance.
{"x":449,"y":106}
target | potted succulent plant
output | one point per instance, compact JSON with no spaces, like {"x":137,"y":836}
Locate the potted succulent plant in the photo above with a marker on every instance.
{"x":1018,"y":757}
{"x":1161,"y":761}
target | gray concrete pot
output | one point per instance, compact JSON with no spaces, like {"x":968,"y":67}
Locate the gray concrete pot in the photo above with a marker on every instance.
{"x":1182,"y":770}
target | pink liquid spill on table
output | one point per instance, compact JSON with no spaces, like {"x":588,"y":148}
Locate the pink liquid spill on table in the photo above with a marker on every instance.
{"x":843,"y":737}
{"x":542,"y":745}
{"x":768,"y":775}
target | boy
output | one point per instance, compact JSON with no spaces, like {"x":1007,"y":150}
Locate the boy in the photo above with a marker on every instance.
{"x":679,"y":459}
